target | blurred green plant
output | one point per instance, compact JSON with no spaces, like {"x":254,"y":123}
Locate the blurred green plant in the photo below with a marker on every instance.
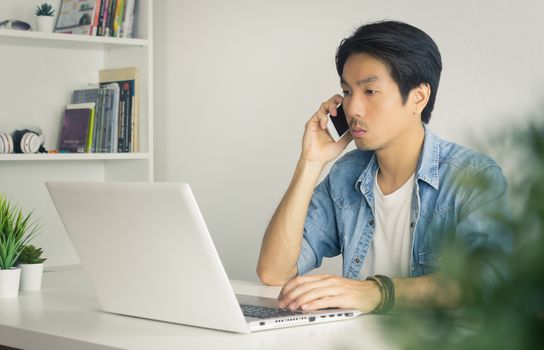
{"x":16,"y":231}
{"x":31,"y":255}
{"x":508,"y":314}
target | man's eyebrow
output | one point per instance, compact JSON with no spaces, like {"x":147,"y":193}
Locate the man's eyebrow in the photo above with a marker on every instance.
{"x":369,"y":79}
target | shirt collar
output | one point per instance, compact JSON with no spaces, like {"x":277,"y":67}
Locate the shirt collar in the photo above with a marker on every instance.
{"x":429,"y":159}
{"x":427,"y":168}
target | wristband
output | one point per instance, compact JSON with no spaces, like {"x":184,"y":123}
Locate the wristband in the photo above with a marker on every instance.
{"x":387,"y":290}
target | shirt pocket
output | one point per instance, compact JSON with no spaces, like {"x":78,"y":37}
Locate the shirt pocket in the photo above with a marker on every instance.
{"x":429,"y":260}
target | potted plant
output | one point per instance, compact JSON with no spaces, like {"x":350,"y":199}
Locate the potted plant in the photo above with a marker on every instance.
{"x":45,"y":15}
{"x":31,"y":265}
{"x":16,"y":231}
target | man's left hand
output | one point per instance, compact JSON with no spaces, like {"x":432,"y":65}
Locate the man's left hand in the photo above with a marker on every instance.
{"x":328,"y":291}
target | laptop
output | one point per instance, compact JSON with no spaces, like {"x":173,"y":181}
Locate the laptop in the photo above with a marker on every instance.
{"x":148,"y":253}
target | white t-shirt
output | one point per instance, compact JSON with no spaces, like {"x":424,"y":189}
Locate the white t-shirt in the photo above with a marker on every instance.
{"x":390,"y":251}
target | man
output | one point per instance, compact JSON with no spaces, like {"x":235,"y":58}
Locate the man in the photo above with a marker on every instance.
{"x":387,"y":206}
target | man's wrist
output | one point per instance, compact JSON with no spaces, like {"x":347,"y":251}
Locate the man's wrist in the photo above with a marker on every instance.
{"x":310,"y":166}
{"x":387,"y":291}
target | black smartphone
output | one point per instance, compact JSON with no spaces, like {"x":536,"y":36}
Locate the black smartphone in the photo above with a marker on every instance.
{"x":338,"y":126}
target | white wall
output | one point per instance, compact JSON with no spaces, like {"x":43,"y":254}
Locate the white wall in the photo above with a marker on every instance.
{"x":231,"y":75}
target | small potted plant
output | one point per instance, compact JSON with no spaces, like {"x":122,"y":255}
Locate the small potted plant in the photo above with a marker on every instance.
{"x":31,"y":265}
{"x":16,"y":231}
{"x":45,"y":15}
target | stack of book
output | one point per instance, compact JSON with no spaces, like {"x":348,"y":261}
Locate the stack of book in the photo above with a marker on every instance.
{"x":104,"y":119}
{"x":113,"y":18}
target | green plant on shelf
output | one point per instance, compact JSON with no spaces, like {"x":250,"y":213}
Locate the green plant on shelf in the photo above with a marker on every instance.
{"x":16,"y":231}
{"x":45,"y":9}
{"x":31,"y":255}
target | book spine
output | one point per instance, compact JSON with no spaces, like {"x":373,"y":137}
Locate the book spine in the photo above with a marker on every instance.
{"x":104,"y":17}
{"x":114,"y":122}
{"x":121,"y":140}
{"x":89,"y":142}
{"x":98,"y":123}
{"x":97,"y":8}
{"x":118,"y":17}
{"x":107,"y":121}
{"x":129,"y":19}
{"x":111,"y":17}
{"x":128,"y":144}
{"x":101,"y":14}
{"x":123,"y":29}
{"x":136,"y":112}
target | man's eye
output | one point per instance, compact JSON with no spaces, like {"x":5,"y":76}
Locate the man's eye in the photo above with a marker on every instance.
{"x":345,"y":92}
{"x":370,"y":92}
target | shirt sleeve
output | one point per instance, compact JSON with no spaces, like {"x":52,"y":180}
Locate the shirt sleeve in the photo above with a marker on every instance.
{"x":320,"y":237}
{"x":483,"y":222}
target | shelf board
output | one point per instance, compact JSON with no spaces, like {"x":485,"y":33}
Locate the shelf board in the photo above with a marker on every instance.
{"x":73,"y":156}
{"x":68,"y":41}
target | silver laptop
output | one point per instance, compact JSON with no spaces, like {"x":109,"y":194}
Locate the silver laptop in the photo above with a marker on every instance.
{"x":148,"y":253}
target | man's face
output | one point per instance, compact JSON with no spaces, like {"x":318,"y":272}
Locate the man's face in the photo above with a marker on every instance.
{"x":373,"y":104}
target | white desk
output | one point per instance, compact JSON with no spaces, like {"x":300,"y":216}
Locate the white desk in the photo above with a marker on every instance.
{"x":65,"y":315}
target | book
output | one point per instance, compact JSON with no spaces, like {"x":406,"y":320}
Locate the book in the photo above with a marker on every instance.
{"x":118,"y":18}
{"x":94,"y":26}
{"x":76,"y":17}
{"x":101,"y":17}
{"x":110,"y":18}
{"x":113,"y":123}
{"x":110,"y":112}
{"x":77,"y":128}
{"x":128,"y":80}
{"x":128,"y":19}
{"x":86,"y":96}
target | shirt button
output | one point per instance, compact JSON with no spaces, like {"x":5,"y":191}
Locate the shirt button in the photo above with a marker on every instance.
{"x":412,"y":224}
{"x":371,"y":222}
{"x":357,"y":260}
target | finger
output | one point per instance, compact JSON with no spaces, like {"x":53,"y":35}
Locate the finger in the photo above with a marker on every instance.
{"x":285,"y":295}
{"x":328,"y":107}
{"x":293,"y":283}
{"x":316,"y":294}
{"x":338,"y":99}
{"x":323,"y":303}
{"x":291,"y":296}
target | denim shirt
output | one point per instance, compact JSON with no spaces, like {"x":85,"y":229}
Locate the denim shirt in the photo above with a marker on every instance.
{"x":340,"y":218}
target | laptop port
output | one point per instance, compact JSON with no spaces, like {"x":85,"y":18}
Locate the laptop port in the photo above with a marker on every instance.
{"x":338,"y":315}
{"x":331,"y":315}
{"x":261,"y":323}
{"x":349,"y":314}
{"x":311,"y":318}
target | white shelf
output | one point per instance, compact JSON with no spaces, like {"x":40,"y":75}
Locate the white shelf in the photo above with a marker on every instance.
{"x":60,"y":40}
{"x":73,"y":156}
{"x":39,"y":72}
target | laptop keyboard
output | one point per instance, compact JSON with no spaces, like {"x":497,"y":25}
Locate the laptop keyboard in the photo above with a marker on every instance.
{"x":266,"y":312}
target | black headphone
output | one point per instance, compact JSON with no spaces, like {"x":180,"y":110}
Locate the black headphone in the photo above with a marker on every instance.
{"x":22,"y":141}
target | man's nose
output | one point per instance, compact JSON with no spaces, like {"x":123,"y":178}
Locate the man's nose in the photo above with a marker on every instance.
{"x":354,"y":109}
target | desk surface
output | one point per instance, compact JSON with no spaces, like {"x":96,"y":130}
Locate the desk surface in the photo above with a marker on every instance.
{"x":65,"y":315}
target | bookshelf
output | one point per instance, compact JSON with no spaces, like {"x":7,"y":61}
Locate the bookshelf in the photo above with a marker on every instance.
{"x":39,"y":72}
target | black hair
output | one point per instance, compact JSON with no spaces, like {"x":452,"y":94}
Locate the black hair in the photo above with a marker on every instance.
{"x":410,"y":54}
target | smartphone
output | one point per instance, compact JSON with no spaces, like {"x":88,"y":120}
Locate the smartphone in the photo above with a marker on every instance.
{"x":338,"y":126}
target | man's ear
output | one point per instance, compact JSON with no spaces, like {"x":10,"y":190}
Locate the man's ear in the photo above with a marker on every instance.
{"x":419,"y":97}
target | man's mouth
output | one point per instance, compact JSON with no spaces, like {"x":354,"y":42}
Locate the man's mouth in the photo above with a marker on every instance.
{"x":357,"y":131}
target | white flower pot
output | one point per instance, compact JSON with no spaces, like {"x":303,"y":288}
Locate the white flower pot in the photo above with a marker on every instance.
{"x":9,"y":282}
{"x":31,"y":277}
{"x":45,"y":24}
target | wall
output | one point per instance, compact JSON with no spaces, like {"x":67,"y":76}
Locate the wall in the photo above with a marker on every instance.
{"x":236,"y":81}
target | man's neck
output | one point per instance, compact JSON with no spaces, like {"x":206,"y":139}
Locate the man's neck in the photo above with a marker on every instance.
{"x":398,"y":161}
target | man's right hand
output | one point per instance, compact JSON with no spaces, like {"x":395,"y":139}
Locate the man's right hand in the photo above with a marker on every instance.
{"x":317,"y":145}
{"x":283,"y":238}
